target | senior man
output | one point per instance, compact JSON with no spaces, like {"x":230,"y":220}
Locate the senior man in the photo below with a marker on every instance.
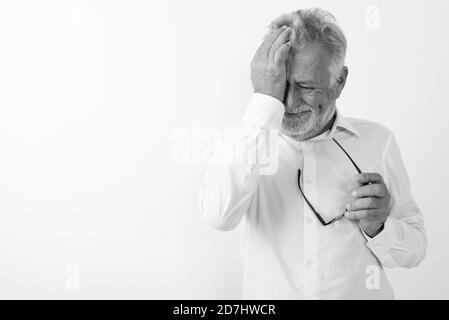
{"x":338,"y":209}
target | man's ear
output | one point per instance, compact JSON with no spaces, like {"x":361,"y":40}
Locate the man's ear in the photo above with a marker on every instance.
{"x":341,"y":80}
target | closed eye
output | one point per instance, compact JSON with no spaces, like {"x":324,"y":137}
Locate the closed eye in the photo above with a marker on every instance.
{"x":305,"y":87}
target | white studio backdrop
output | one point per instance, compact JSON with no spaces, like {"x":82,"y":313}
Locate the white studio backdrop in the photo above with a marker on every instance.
{"x":95,"y":96}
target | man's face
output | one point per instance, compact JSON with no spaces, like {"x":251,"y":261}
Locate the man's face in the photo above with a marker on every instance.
{"x":309,"y":98}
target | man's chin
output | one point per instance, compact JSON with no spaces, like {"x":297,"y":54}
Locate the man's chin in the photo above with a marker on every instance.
{"x":297,"y":129}
{"x":292,"y":132}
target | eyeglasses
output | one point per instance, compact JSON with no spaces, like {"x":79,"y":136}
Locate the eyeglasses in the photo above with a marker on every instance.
{"x":324,"y":223}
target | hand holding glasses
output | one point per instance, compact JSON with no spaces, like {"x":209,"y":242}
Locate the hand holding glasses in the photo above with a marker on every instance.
{"x":324,"y":223}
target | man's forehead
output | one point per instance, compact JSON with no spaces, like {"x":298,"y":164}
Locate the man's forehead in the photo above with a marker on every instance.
{"x":309,"y":64}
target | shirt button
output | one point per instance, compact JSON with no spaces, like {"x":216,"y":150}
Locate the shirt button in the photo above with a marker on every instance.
{"x":309,"y":262}
{"x":308,"y":179}
{"x":309,"y":220}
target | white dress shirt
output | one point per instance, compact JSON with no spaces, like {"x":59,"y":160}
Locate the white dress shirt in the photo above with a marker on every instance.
{"x":286,"y":252}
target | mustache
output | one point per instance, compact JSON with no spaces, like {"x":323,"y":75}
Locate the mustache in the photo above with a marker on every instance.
{"x":301,"y":108}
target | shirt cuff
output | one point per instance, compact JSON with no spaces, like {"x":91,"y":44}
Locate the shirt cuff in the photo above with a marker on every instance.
{"x":381,"y":243}
{"x":264,"y":111}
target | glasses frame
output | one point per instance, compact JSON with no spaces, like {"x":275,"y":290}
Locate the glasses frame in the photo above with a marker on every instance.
{"x":324,"y":223}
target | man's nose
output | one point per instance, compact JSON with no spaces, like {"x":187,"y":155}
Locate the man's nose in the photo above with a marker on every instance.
{"x":293,"y":100}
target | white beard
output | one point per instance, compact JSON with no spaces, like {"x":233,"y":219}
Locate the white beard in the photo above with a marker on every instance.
{"x":306,"y":129}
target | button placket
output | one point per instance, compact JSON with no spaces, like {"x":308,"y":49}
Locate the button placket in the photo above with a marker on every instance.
{"x":308,"y":220}
{"x":311,"y":276}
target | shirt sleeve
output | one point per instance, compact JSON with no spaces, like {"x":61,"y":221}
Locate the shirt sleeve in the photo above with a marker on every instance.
{"x":403,"y":241}
{"x":251,"y":151}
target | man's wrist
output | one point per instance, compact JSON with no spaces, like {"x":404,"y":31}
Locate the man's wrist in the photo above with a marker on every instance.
{"x":277,"y":94}
{"x":264,"y":111}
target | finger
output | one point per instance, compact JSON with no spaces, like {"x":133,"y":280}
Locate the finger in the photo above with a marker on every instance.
{"x":281,"y":40}
{"x":364,"y":203}
{"x":285,"y":19}
{"x":269,"y":38}
{"x":370,"y":214}
{"x":370,"y":190}
{"x":369,"y":177}
{"x":271,"y":35}
{"x":281,"y":55}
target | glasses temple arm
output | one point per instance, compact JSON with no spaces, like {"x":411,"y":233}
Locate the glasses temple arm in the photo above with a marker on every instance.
{"x":310,"y":205}
{"x":355,"y":165}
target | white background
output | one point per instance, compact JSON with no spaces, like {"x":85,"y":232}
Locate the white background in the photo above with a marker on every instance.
{"x":92,"y":203}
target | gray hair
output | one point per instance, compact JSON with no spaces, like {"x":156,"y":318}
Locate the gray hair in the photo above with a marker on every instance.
{"x":318,"y":26}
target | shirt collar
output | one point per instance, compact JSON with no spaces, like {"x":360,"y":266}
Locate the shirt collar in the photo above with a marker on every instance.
{"x":343,"y":123}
